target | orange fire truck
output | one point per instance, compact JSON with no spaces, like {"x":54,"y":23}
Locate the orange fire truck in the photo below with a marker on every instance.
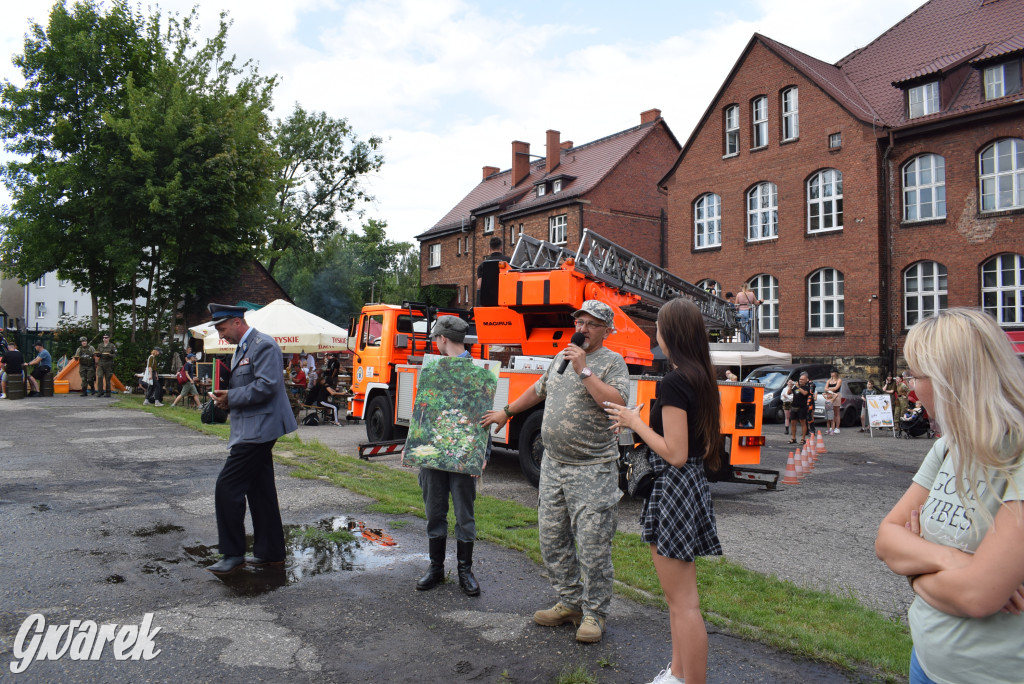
{"x":525,"y":319}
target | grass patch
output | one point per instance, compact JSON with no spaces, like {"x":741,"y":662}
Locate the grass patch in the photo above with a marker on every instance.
{"x":813,"y":624}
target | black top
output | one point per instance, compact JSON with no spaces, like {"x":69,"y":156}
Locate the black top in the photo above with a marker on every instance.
{"x":316,"y":394}
{"x":490,"y":257}
{"x":674,"y":390}
{"x":13,"y":361}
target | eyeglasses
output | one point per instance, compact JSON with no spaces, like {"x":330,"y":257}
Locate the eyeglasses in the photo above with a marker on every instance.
{"x":590,"y":324}
{"x":910,"y":379}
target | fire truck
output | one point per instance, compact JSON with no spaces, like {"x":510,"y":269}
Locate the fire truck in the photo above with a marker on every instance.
{"x":524,"y":319}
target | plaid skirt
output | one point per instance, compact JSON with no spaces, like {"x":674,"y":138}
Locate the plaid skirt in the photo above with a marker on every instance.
{"x":678,"y":517}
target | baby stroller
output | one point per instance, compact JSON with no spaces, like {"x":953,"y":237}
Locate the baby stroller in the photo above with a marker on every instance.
{"x":914,"y":426}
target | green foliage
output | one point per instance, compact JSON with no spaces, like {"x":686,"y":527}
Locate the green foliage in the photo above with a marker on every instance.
{"x":437,"y":295}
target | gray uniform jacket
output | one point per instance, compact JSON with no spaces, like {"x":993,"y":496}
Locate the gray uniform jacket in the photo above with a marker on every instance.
{"x":260,"y":411}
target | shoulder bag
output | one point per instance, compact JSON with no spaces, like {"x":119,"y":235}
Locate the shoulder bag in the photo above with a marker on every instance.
{"x":636,"y":476}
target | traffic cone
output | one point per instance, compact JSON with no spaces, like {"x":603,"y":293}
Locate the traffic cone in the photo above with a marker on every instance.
{"x":790,"y":478}
{"x":798,"y":463}
{"x":821,"y":443}
{"x":809,"y":460}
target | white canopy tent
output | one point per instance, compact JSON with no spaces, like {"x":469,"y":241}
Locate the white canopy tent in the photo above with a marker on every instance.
{"x":762,"y":357}
{"x":295,"y":330}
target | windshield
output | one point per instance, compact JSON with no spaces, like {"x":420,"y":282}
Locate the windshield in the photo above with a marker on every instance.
{"x":771,"y":379}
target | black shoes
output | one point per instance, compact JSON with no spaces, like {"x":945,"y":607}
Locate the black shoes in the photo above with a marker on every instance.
{"x":435,"y":573}
{"x":464,"y":551}
{"x":227,"y":565}
{"x":262,"y":562}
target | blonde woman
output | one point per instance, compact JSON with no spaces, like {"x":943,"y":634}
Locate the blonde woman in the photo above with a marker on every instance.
{"x":746,"y":302}
{"x":958,"y":532}
{"x":833,"y":401}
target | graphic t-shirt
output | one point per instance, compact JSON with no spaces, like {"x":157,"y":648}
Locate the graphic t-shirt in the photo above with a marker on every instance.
{"x":956,"y":649}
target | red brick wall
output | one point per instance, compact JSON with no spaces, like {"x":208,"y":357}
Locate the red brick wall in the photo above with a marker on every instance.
{"x":795,"y":254}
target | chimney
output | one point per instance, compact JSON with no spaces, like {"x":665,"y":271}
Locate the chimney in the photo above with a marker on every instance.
{"x":520,"y":161}
{"x":490,"y":171}
{"x":649,"y":116}
{"x":554,"y":151}
{"x":566,"y":144}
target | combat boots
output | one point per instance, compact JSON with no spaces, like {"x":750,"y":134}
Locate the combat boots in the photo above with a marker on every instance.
{"x":435,"y":573}
{"x":464,"y":552}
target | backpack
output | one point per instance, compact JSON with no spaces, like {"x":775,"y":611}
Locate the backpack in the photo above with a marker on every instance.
{"x":311,"y":419}
{"x":182,"y":376}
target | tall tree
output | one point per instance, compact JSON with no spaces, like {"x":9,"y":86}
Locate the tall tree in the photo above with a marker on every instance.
{"x":323,"y":163}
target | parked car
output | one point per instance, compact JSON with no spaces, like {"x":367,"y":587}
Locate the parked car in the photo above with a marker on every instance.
{"x":773,"y":378}
{"x":849,"y":397}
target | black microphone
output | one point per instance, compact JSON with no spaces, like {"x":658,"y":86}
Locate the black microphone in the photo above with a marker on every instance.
{"x":578,"y":339}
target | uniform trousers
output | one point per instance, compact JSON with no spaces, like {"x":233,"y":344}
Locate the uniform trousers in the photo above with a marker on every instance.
{"x":437,"y":485}
{"x":576,"y":518}
{"x":104,"y":373}
{"x":248,"y":474}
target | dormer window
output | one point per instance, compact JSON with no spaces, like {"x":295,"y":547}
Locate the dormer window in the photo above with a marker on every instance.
{"x":923,"y":99}
{"x":488,"y":224}
{"x":1002,"y":79}
{"x":556,"y":186}
{"x":541,"y":190}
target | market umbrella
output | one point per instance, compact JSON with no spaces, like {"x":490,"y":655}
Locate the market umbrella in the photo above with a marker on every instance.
{"x":295,"y":330}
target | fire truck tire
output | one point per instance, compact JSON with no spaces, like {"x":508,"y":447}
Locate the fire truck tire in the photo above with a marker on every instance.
{"x":380,"y":424}
{"x":531,"y":449}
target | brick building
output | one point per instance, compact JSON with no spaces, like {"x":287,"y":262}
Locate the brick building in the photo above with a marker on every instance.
{"x":859,"y":196}
{"x":608,"y":186}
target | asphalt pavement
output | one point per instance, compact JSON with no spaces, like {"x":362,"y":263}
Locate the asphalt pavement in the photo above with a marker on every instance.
{"x":106,"y":515}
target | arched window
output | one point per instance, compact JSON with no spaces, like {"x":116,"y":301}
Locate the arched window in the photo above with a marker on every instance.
{"x":1002,"y":175}
{"x":763,"y":212}
{"x":707,"y":221}
{"x":825,"y":300}
{"x":924,"y":291}
{"x":712,"y":286}
{"x":924,"y":188}
{"x":825,"y":201}
{"x":766,"y":288}
{"x":1002,"y":288}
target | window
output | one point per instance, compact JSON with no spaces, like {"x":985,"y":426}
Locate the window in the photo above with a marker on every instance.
{"x":760,"y":121}
{"x":763,"y":212}
{"x":62,"y":308}
{"x":458,"y":246}
{"x":924,"y":291}
{"x":465,"y":294}
{"x":924,"y":188}
{"x":707,"y":221}
{"x":435,"y":255}
{"x":825,"y":201}
{"x":790,"y":114}
{"x":40,"y":310}
{"x":923,"y":99}
{"x":42,"y":281}
{"x":732,"y":130}
{"x":766,"y":288}
{"x":710,"y":285}
{"x":465,"y":244}
{"x":1002,"y":175}
{"x":835,"y":141}
{"x":825,"y":300}
{"x":541,"y":190}
{"x":1002,"y":79}
{"x":76,"y":307}
{"x":61,"y":283}
{"x":1002,"y":288}
{"x":520,"y":232}
{"x":557,"y":230}
{"x":556,"y":186}
{"x":488,"y":224}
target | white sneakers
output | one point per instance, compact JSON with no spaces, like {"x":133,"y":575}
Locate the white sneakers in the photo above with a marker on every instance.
{"x":3,"y":396}
{"x":836,"y":431}
{"x":666,"y":677}
{"x":147,"y":402}
{"x":158,"y":404}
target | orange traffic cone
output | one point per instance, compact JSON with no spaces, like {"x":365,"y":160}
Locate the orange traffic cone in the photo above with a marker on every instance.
{"x":821,"y":443}
{"x":809,"y":458}
{"x":798,"y":463}
{"x":790,"y":478}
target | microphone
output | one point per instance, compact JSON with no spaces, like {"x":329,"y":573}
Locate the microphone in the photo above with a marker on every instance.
{"x":578,"y":339}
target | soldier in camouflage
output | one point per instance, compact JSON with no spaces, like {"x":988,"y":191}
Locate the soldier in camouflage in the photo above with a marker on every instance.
{"x":86,"y":365}
{"x":579,"y":475}
{"x":105,"y":372}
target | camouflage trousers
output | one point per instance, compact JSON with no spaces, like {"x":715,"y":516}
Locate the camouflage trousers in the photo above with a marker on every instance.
{"x":104,"y":372}
{"x":87,"y":375}
{"x":577,"y":519}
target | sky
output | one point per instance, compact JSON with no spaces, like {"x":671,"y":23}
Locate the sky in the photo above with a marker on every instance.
{"x":449,"y":84}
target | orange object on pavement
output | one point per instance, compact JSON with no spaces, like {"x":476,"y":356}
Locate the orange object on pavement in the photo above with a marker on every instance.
{"x":821,"y":443}
{"x":790,"y":477}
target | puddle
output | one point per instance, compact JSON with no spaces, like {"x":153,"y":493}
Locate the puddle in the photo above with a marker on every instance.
{"x":330,"y":545}
{"x":160,"y":528}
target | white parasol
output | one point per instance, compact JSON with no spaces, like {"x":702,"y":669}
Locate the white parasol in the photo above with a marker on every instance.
{"x":295,"y":330}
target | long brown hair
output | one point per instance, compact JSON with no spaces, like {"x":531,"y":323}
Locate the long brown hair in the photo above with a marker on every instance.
{"x":686,"y":345}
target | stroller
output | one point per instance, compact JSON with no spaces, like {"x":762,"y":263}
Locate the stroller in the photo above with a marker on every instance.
{"x":914,"y":426}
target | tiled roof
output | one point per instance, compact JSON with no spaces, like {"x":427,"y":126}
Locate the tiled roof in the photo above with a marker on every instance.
{"x":588,"y":163}
{"x":946,"y":63}
{"x":1015,"y":44}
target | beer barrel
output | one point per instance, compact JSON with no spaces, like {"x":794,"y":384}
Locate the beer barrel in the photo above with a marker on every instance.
{"x":15,"y":388}
{"x":46,"y":386}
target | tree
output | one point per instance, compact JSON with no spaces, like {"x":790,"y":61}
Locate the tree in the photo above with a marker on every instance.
{"x":319,"y":180}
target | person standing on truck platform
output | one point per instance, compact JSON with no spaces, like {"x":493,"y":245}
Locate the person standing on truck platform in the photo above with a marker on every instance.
{"x":495,"y":255}
{"x":449,"y":333}
{"x":579,"y":476}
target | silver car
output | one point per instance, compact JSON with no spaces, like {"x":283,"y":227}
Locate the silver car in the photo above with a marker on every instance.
{"x":849,"y":397}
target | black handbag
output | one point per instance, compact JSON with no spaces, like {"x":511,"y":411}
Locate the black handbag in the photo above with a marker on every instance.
{"x":213,"y":414}
{"x":636,"y":475}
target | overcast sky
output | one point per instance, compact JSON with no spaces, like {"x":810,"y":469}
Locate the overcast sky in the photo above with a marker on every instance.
{"x":449,"y":84}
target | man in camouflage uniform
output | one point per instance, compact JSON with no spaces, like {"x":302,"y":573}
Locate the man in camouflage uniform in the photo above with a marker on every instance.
{"x":86,"y":365}
{"x":105,"y":371}
{"x":579,"y":475}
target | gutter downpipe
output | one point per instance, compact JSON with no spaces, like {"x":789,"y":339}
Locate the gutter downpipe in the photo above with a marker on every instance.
{"x":888,"y":334}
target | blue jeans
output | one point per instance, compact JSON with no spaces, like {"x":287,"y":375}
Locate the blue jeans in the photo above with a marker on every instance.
{"x":917,"y":675}
{"x":743,"y":316}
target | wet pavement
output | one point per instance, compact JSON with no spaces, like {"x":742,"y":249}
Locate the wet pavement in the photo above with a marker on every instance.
{"x":107,"y":515}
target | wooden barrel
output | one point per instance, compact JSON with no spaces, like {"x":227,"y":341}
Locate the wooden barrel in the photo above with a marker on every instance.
{"x":15,"y":388}
{"x":46,"y":386}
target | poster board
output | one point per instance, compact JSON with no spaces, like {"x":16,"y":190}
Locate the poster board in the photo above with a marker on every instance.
{"x":880,"y":412}
{"x":452,"y":395}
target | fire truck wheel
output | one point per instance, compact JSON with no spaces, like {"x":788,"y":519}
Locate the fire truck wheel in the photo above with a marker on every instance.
{"x":380,"y":426}
{"x":531,"y":449}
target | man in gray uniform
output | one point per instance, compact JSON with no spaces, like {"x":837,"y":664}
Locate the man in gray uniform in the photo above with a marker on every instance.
{"x":579,"y":475}
{"x":260,"y":413}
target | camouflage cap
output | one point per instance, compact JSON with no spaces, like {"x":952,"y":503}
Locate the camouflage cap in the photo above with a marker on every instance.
{"x":452,"y":327}
{"x":598,"y":310}
{"x":83,"y":339}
